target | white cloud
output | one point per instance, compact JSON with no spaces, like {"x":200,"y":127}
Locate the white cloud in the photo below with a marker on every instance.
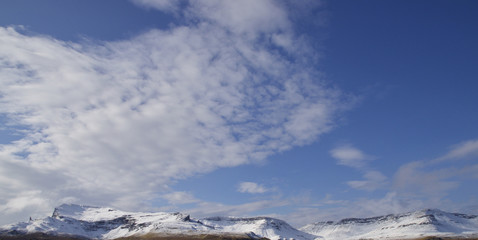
{"x":373,"y":181}
{"x":240,"y":210}
{"x":353,"y":157}
{"x":162,"y":5}
{"x":251,"y":187}
{"x":114,"y":123}
{"x":23,"y":201}
{"x":416,"y":178}
{"x":350,"y":156}
{"x":175,"y":198}
{"x":248,"y":17}
{"x":434,"y":181}
{"x":414,"y":186}
{"x":461,"y":150}
{"x":390,"y":203}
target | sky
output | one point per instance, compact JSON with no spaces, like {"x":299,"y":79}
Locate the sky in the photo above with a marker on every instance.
{"x":305,"y":111}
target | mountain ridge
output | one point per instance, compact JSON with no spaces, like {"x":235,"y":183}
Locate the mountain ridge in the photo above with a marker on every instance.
{"x":427,"y":222}
{"x":89,"y":222}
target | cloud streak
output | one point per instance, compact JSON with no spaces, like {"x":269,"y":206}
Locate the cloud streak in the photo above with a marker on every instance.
{"x":350,"y":156}
{"x":114,"y":123}
{"x":353,"y":157}
{"x":460,"y":151}
{"x":373,"y":180}
{"x":178,"y":198}
{"x":251,"y":187}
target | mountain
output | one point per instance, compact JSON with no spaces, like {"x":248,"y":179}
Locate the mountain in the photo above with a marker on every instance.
{"x":80,"y":222}
{"x":106,"y":223}
{"x":257,"y":227}
{"x":429,"y":222}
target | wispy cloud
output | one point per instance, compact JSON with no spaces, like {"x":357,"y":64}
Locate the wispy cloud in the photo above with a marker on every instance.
{"x":332,"y":209}
{"x":436,"y":178}
{"x":419,"y":184}
{"x":178,"y":198}
{"x":114,"y":122}
{"x":246,"y":18}
{"x":163,"y":5}
{"x":350,"y":156}
{"x":251,"y":187}
{"x":414,"y":186}
{"x":460,"y":151}
{"x":353,"y":157}
{"x":416,"y":178}
{"x":373,"y":180}
{"x":240,"y":210}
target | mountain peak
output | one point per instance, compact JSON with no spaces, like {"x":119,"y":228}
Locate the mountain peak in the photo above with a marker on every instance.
{"x":426,"y":222}
{"x":107,"y":223}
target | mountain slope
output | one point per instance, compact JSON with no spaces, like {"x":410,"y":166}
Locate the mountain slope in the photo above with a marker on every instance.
{"x":429,"y":222}
{"x":257,"y":227}
{"x":107,"y":223}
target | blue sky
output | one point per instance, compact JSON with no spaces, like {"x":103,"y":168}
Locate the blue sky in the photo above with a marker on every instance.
{"x":305,"y":111}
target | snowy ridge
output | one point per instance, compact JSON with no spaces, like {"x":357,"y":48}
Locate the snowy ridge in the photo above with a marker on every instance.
{"x":429,"y":222}
{"x":107,"y":223}
{"x":257,"y":227}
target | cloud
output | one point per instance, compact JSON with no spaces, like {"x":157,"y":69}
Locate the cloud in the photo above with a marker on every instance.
{"x":461,"y":150}
{"x":240,"y":210}
{"x":349,"y":156}
{"x":162,"y":5}
{"x":200,"y":208}
{"x":415,"y":178}
{"x":373,"y":181}
{"x":414,"y":186}
{"x":353,"y":157}
{"x":176,"y":198}
{"x":251,"y":187}
{"x":25,"y":200}
{"x":113,"y":123}
{"x":435,"y":179}
{"x":246,"y":18}
{"x":389,"y":203}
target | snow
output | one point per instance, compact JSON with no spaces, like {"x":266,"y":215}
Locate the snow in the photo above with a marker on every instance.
{"x":410,"y":225}
{"x":259,"y":226}
{"x":108,"y":223}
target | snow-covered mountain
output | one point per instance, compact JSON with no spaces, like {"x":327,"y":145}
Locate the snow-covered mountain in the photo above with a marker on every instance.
{"x":107,"y":223}
{"x":257,"y":227}
{"x":429,"y":222}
